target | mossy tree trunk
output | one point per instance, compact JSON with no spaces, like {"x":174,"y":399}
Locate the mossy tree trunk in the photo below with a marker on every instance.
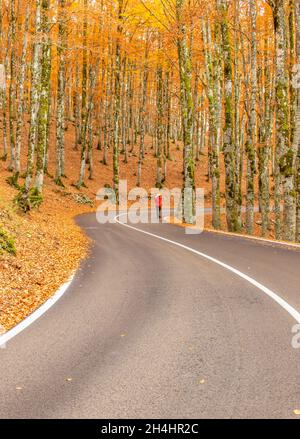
{"x":43,"y":116}
{"x":232,"y":216}
{"x":61,"y":89}
{"x":187,"y":112}
{"x":283,"y":170}
{"x":252,"y":134}
{"x":107,"y":113}
{"x":213,"y":74}
{"x":143,"y":114}
{"x":12,"y":84}
{"x":238,"y":37}
{"x":3,"y":101}
{"x":297,"y":131}
{"x":288,"y":160}
{"x":3,"y":87}
{"x":264,"y":151}
{"x":89,"y":132}
{"x":160,"y":128}
{"x":117,"y":92}
{"x":84,"y":110}
{"x":34,"y":95}
{"x":76,"y":105}
{"x":167,"y":112}
{"x":21,"y":81}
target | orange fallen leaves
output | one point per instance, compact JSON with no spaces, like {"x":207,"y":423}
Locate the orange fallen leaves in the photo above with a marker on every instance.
{"x":49,"y":248}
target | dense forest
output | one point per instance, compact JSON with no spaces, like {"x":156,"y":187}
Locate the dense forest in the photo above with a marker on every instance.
{"x":220,"y":77}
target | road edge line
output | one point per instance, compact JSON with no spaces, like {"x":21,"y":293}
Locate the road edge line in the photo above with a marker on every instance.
{"x":254,"y":238}
{"x":35,"y":315}
{"x":242,"y":235}
{"x":279,"y":300}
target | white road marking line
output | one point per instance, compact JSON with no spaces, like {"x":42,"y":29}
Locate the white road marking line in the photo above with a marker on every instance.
{"x":255,"y":238}
{"x":285,"y":305}
{"x":60,"y":292}
{"x":36,"y":314}
{"x":249,"y":237}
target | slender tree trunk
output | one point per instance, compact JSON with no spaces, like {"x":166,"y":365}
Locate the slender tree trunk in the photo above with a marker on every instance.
{"x":282,"y":169}
{"x":117,"y":114}
{"x":159,"y":152}
{"x":237,"y":112}
{"x":77,"y":112}
{"x":42,"y":137}
{"x":251,"y":141}
{"x":83,"y":139}
{"x":61,"y":89}
{"x":213,"y":73}
{"x":288,"y":159}
{"x":12,"y":85}
{"x":3,"y":87}
{"x":107,"y":115}
{"x":233,"y":220}
{"x":142,"y":116}
{"x":34,"y":95}
{"x":168,"y":105}
{"x":91,"y":104}
{"x":21,"y":81}
{"x":187,"y":111}
{"x":265,"y":148}
{"x":296,"y":141}
{"x":3,"y":106}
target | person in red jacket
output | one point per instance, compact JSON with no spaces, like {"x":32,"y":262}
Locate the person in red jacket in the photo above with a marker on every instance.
{"x":158,"y":204}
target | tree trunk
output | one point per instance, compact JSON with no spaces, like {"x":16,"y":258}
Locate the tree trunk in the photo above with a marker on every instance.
{"x":282,"y":171}
{"x":160,"y":129}
{"x":83,"y":139}
{"x":22,"y":76}
{"x":61,"y":89}
{"x":34,"y":95}
{"x":142,"y":116}
{"x":44,"y":96}
{"x":251,"y":141}
{"x":187,"y":111}
{"x":213,"y":73}
{"x":265,"y":147}
{"x":12,"y":85}
{"x":117,"y":114}
{"x":233,"y":220}
{"x":296,"y":141}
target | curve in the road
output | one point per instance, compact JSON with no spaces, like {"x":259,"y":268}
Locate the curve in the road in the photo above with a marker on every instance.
{"x":145,"y":322}
{"x":283,"y":303}
{"x":7,"y":336}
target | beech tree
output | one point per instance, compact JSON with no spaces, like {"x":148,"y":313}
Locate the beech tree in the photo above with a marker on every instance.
{"x":141,"y":79}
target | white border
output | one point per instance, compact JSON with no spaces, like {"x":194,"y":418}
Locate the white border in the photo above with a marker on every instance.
{"x":36,"y":314}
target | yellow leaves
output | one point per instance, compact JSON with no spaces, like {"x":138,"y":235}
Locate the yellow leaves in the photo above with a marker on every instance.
{"x":151,"y":11}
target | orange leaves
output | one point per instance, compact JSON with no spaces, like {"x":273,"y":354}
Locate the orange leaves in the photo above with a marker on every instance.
{"x":49,"y":248}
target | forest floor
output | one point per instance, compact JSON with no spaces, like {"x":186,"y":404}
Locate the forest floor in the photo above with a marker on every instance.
{"x":49,"y":245}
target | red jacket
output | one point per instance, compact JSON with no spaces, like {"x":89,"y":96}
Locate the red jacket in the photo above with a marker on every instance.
{"x":158,"y":201}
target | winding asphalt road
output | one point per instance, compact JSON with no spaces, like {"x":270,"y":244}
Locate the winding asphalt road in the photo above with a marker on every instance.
{"x":149,"y":329}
